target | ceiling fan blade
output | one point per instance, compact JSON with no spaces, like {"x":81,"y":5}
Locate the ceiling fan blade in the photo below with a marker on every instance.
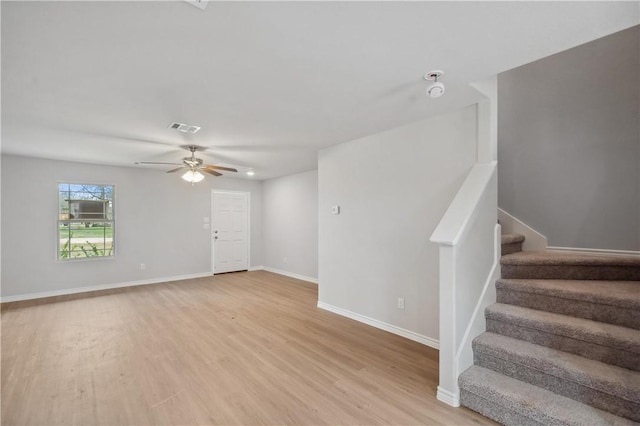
{"x":226,"y":169}
{"x":175,"y":170}
{"x":211,"y":172}
{"x":153,"y":162}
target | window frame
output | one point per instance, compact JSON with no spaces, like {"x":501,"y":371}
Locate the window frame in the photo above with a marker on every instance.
{"x":59,"y":222}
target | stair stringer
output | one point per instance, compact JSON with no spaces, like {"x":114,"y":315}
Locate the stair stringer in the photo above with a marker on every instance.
{"x":533,"y":240}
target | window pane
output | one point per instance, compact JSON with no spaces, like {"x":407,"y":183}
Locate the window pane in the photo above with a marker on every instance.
{"x":78,"y":241}
{"x":85,"y":218}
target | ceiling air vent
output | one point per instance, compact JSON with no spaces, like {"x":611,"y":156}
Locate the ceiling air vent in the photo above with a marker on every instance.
{"x":187,"y":128}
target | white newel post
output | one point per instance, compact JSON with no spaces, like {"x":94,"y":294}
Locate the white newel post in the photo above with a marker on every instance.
{"x":468,"y":237}
{"x":448,"y":391}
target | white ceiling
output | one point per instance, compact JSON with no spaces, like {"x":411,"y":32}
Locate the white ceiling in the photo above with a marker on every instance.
{"x":269,"y":82}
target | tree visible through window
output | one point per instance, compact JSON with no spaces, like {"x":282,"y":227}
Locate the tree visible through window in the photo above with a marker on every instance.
{"x":85,"y":221}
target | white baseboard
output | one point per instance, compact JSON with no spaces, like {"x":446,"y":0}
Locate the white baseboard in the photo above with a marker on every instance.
{"x":533,"y":240}
{"x":285,"y":273}
{"x":76,"y":290}
{"x":609,"y":252}
{"x":428,"y":341}
{"x":449,"y":398}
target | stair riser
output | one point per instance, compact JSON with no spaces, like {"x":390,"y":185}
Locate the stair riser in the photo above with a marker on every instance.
{"x":570,"y":389}
{"x":577,"y":308}
{"x":571,"y":272}
{"x":511,"y":248}
{"x":609,"y":355}
{"x":496,"y":412}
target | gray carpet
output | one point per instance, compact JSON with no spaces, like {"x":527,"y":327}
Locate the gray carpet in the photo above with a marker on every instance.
{"x":600,"y":385}
{"x":512,"y":402}
{"x":613,"y":302}
{"x":562,"y":345}
{"x":594,"y":340}
{"x":564,"y":266}
{"x":511,"y":243}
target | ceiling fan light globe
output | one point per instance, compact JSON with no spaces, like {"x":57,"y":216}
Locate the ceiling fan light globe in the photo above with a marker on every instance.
{"x":193,"y":176}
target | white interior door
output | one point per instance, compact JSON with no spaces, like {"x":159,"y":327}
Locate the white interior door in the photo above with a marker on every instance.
{"x":230,"y":231}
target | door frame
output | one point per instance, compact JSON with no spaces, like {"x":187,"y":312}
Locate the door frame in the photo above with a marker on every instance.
{"x":248,"y":225}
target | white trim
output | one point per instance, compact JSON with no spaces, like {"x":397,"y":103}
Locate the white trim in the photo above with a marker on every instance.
{"x":455,"y":219}
{"x":255,"y":268}
{"x":533,"y":240}
{"x":447,"y":397}
{"x":114,"y":240}
{"x":595,"y":251}
{"x":290,"y":274}
{"x":76,"y":290}
{"x":428,"y":341}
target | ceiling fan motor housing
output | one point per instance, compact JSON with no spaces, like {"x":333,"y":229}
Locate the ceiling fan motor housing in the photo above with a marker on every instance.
{"x":192,"y":161}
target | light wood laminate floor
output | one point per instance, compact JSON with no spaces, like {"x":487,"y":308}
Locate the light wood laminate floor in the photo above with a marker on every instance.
{"x":244,"y":348}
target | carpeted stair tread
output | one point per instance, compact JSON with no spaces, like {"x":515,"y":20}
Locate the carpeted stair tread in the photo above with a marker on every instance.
{"x":611,"y":335}
{"x":554,"y":265}
{"x":616,"y":293}
{"x":566,"y":259}
{"x":604,"y":386}
{"x":511,"y":401}
{"x":613,"y":302}
{"x":511,"y":238}
{"x":603,"y":342}
{"x":511,"y":243}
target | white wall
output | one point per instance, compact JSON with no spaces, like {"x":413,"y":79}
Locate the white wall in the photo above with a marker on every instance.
{"x":569,"y":144}
{"x":290,"y":224}
{"x":158,"y":219}
{"x":392,"y":188}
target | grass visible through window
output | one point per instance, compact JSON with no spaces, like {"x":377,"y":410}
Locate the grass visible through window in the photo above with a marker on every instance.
{"x":85,"y":221}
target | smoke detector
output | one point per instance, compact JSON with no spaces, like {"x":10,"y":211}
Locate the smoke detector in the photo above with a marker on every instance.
{"x":186,"y":128}
{"x":436,"y":89}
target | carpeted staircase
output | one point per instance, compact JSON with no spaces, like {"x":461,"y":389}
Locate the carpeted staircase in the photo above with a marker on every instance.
{"x":562,"y":345}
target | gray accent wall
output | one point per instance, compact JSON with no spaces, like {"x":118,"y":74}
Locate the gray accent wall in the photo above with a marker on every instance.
{"x":569,"y":144}
{"x":392,"y":189}
{"x":158,"y":221}
{"x":290,"y":223}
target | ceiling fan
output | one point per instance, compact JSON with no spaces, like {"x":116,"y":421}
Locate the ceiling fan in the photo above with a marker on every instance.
{"x":193,"y":166}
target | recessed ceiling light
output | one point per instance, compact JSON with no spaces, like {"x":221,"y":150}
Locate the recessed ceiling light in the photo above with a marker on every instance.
{"x":250,"y":173}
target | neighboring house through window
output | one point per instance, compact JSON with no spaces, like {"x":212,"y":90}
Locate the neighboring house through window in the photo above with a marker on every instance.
{"x":85,"y":221}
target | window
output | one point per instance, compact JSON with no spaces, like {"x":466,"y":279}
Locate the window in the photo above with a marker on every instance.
{"x":85,"y":221}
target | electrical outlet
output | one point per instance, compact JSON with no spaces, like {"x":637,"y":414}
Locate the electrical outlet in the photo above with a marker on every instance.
{"x":285,"y":260}
{"x":143,"y":266}
{"x":400,"y":302}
